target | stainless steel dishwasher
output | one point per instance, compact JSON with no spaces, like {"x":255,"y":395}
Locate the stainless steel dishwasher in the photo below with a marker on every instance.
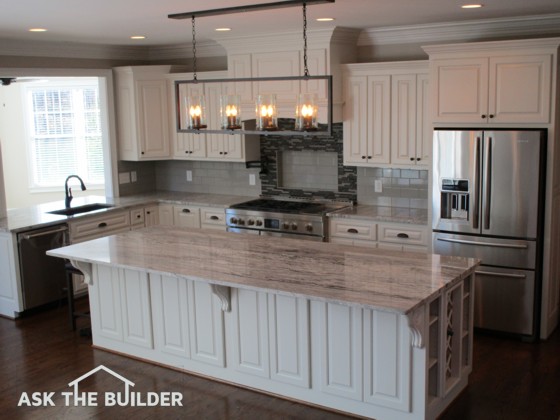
{"x":42,"y":276}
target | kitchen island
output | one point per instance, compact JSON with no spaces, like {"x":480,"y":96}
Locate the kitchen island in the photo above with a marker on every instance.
{"x":375,"y":333}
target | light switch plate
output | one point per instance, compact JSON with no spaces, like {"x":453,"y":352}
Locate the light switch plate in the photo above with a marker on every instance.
{"x":252,"y":179}
{"x":124,"y":177}
{"x":189,"y":176}
{"x":378,"y":186}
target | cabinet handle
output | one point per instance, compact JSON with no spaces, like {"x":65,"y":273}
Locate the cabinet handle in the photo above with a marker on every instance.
{"x":190,"y":152}
{"x":352,"y":230}
{"x":148,"y":212}
{"x":363,"y":157}
{"x":142,"y":152}
{"x":102,"y":225}
{"x":483,"y":115}
{"x":411,"y":158}
{"x":369,"y":157}
{"x":402,"y":235}
{"x":138,"y":216}
{"x":221,"y":153}
{"x":214,"y":218}
{"x":186,"y":211}
{"x":225,"y":153}
{"x":491,"y":116}
{"x":418,"y":158}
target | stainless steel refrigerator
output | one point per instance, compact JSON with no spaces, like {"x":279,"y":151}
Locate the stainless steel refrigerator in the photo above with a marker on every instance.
{"x":488,"y":203}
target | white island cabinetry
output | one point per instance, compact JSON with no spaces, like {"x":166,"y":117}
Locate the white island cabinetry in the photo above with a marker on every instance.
{"x":201,"y":307}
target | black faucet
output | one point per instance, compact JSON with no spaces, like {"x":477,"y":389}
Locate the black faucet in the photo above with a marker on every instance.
{"x":68,"y":191}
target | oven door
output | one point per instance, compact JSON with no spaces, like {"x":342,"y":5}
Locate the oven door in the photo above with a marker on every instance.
{"x":242,"y":230}
{"x":315,"y":238}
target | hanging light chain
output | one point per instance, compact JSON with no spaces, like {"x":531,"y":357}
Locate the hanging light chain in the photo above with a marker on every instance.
{"x":194,"y":48}
{"x":305,"y":69}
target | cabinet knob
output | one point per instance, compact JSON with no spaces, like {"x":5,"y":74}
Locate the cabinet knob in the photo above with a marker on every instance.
{"x":352,"y":230}
{"x":102,"y":225}
{"x":418,"y":158}
{"x":142,"y":152}
{"x":148,"y":212}
{"x":483,"y":115}
{"x":225,"y":153}
{"x":221,"y":153}
{"x":411,"y":158}
{"x":187,"y":152}
{"x":138,"y":216}
{"x":491,"y":116}
{"x":369,"y":157}
{"x":363,"y":157}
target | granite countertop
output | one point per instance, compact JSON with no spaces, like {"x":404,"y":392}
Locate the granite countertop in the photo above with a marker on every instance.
{"x":37,"y":216}
{"x":380,"y":279}
{"x":384,"y":214}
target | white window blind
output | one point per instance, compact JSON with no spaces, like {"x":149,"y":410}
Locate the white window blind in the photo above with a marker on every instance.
{"x":65,"y":133}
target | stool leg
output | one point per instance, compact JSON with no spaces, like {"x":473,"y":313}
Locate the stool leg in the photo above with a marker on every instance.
{"x":70,"y":297}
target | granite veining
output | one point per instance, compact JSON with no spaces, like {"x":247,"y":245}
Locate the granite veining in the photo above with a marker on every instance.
{"x":378,"y":279}
{"x":384,"y":214}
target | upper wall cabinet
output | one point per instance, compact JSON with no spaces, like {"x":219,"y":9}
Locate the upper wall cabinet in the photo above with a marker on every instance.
{"x":385,"y":114}
{"x":142,"y":112}
{"x":491,"y":83}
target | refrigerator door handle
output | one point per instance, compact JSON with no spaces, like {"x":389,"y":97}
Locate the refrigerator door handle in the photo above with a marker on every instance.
{"x":492,"y":273}
{"x":492,"y":244}
{"x":488,"y":175}
{"x":476,"y":183}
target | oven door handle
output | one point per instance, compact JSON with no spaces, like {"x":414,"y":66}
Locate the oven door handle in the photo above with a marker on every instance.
{"x":492,"y":244}
{"x":28,"y":236}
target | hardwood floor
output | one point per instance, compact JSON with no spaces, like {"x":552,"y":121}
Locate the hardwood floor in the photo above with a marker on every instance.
{"x":39,"y":353}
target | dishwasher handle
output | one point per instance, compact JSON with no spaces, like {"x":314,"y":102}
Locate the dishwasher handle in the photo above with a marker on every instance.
{"x":28,"y":236}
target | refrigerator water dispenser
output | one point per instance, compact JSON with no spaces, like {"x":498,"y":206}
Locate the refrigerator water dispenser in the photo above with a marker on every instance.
{"x":455,"y":199}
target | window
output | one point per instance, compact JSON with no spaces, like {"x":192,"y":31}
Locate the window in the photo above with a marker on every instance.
{"x":65,"y":135}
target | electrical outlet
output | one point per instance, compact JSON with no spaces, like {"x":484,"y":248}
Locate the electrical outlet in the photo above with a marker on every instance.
{"x":133,"y":177}
{"x":378,"y":186}
{"x":124,"y":177}
{"x":189,"y":176}
{"x":252,"y":179}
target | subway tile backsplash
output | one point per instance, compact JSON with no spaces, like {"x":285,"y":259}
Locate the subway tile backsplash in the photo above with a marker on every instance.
{"x":400,"y":187}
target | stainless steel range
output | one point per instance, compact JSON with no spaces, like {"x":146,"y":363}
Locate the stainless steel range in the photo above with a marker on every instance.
{"x":282,"y":217}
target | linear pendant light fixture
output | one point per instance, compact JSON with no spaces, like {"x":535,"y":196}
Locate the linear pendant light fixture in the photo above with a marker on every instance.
{"x":190,"y":102}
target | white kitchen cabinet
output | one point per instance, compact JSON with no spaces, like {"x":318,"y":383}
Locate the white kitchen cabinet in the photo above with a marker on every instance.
{"x":10,"y":288}
{"x":250,"y":332}
{"x":341,"y":350}
{"x":92,"y":227}
{"x":490,"y":86}
{"x":385,"y":114}
{"x":289,"y":329}
{"x":123,"y":297}
{"x":213,"y":218}
{"x":206,"y":323}
{"x":137,"y":218}
{"x":186,"y":216}
{"x":151,"y":215}
{"x":165,"y":214}
{"x":142,"y":108}
{"x":410,"y":123}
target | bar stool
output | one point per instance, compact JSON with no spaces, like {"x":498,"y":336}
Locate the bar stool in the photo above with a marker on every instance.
{"x":73,"y":314}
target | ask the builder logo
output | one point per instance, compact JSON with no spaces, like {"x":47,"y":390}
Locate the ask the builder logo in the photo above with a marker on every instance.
{"x":126,"y":398}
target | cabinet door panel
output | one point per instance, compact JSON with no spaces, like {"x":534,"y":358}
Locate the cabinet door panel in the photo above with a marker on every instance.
{"x":284,"y":63}
{"x":250,"y":327}
{"x":341,"y":360}
{"x":423,"y":121}
{"x":460,"y":91}
{"x":379,"y":119}
{"x":136,"y":309}
{"x":206,"y":325}
{"x":289,"y":340}
{"x":403,"y":119}
{"x":153,"y":112}
{"x":387,"y":360}
{"x":520,"y":89}
{"x":355,"y":120}
{"x":170,"y":313}
{"x":106,"y":293}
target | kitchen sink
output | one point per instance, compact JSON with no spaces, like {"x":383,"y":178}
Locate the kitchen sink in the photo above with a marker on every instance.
{"x":86,"y":208}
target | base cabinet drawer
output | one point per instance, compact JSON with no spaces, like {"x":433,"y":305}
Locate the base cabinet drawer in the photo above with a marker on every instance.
{"x":404,"y":235}
{"x":212,"y":218}
{"x":353,"y":229}
{"x":96,"y":227}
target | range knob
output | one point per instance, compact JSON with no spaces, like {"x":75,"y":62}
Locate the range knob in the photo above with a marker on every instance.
{"x":233,"y":220}
{"x":241,"y":221}
{"x":250,"y":222}
{"x":294,"y":226}
{"x":309,"y":227}
{"x":259,"y":222}
{"x":285,"y":225}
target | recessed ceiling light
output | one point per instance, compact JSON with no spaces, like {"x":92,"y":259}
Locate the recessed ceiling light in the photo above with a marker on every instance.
{"x":326,"y":19}
{"x":471,"y":6}
{"x":137,"y":37}
{"x":37,"y":30}
{"x":222,"y":29}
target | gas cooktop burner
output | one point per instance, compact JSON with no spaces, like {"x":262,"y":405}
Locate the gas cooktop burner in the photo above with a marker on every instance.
{"x":271,"y":205}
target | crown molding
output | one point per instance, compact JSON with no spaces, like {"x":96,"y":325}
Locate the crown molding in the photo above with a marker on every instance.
{"x":179,"y":51}
{"x":541,"y":25}
{"x":23,"y":48}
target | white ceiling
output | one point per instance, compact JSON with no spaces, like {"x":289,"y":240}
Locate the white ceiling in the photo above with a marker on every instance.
{"x":113,"y":22}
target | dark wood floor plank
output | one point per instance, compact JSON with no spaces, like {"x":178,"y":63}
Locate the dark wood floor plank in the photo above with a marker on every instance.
{"x":511,"y":380}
